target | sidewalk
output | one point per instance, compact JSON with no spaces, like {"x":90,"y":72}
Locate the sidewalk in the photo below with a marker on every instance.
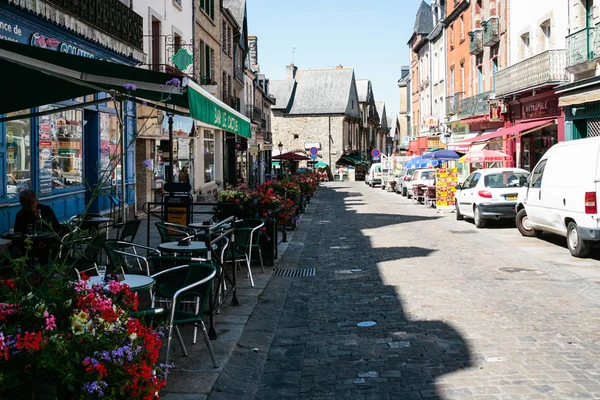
{"x":194,"y":376}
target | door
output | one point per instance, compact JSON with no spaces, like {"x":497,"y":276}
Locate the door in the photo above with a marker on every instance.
{"x":534,"y":201}
{"x":465,"y":196}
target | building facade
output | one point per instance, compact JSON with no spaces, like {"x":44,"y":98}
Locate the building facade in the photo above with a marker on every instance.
{"x":317,"y":108}
{"x":73,"y":144}
{"x":369,"y":116}
{"x":404,"y":117}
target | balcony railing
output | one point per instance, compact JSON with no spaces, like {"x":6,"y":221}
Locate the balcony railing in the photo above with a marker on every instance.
{"x":475,"y":105}
{"x":263,"y":124}
{"x":476,"y":41}
{"x":453,"y":103}
{"x":580,"y":47}
{"x":544,"y":68}
{"x":254,"y":113}
{"x":110,"y":16}
{"x":491,"y":31}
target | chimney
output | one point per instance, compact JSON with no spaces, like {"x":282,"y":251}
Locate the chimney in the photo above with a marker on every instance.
{"x":253,"y":51}
{"x":290,"y":72}
{"x":339,"y":67}
{"x":404,"y":70}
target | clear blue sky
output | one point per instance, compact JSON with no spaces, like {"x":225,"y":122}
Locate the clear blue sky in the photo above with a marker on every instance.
{"x":369,"y":36}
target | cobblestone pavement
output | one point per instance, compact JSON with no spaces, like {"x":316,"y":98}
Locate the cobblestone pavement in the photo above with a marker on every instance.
{"x":460,"y":313}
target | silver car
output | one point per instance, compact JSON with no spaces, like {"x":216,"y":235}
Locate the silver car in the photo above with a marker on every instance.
{"x":402,"y":180}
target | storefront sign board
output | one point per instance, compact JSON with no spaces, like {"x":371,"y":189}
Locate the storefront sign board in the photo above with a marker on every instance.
{"x":445,"y":188}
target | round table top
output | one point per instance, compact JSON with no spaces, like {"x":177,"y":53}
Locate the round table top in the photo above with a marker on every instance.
{"x":175,"y":247}
{"x":19,"y":235}
{"x":93,"y":220}
{"x":135,"y":282}
{"x":201,"y":225}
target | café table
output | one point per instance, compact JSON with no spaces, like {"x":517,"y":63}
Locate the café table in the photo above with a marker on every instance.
{"x":137,"y":283}
{"x":34,"y":235}
{"x":174,"y":247}
{"x":94,"y":223}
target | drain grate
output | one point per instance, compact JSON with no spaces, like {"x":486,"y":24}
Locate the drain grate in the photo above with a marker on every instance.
{"x":463,"y":232}
{"x":295,"y":273}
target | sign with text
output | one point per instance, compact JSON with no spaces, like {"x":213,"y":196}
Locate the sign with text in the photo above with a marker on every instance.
{"x":540,"y":109}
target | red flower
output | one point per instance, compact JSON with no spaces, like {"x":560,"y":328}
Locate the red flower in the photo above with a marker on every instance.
{"x":30,"y":341}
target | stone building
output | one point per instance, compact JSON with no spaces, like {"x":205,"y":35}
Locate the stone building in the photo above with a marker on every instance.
{"x":383,"y":130}
{"x":404,"y":117}
{"x":317,"y":108}
{"x":370,"y":118}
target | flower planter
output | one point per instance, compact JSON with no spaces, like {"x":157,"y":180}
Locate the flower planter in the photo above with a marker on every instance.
{"x":268,"y":243}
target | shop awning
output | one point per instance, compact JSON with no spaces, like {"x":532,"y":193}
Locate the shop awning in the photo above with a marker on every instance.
{"x":35,"y":76}
{"x":580,"y":98}
{"x":513,"y":130}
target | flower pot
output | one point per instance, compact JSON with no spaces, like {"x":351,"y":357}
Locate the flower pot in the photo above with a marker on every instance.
{"x":268,"y":243}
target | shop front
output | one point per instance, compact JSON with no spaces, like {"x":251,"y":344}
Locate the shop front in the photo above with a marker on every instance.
{"x":581,"y":104}
{"x":75,"y":136}
{"x":543,"y":116}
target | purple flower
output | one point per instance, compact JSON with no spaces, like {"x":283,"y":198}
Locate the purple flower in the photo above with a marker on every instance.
{"x":95,"y":388}
{"x":130,"y":86}
{"x":175,"y":82}
{"x":144,"y":103}
{"x":147,"y":163}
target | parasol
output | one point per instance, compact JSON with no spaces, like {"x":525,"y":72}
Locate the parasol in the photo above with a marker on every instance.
{"x":290,"y":156}
{"x":441,"y":155}
{"x":485,"y":156}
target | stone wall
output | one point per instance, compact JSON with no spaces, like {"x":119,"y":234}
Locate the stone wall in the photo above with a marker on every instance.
{"x":309,"y":129}
{"x":143,"y":177}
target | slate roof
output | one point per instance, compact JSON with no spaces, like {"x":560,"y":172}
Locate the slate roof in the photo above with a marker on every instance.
{"x":380,"y":106}
{"x":424,"y":20}
{"x":282,"y":91}
{"x":362,"y":86}
{"x":324,"y":91}
{"x":237,"y":8}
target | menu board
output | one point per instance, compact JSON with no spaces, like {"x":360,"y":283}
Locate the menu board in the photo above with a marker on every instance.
{"x":446,"y":180}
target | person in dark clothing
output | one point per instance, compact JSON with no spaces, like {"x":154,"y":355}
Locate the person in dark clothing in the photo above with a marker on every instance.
{"x":35,"y":216}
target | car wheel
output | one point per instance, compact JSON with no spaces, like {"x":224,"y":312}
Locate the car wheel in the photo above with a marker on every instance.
{"x":459,"y":216}
{"x":404,"y":192}
{"x":479,"y":222}
{"x":577,"y":246}
{"x":524,"y":226}
{"x":382,"y":186}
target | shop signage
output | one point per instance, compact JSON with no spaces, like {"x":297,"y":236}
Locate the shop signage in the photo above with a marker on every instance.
{"x":540,"y":109}
{"x":495,"y":111}
{"x":308,"y":146}
{"x":74,"y":145}
{"x":206,"y":110}
{"x":431,"y":121}
{"x":268,"y":147}
{"x":445,"y":187}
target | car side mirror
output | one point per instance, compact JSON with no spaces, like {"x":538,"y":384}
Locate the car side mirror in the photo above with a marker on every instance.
{"x":458,"y":187}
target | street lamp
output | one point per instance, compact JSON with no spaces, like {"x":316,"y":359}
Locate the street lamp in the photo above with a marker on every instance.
{"x":280,"y":147}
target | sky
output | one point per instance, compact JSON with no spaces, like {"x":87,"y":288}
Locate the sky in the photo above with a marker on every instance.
{"x":367,"y":35}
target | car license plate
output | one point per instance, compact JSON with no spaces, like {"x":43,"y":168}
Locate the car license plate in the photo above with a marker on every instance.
{"x":511,"y":196}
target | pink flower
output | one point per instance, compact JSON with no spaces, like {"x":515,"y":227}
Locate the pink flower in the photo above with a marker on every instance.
{"x":50,"y":321}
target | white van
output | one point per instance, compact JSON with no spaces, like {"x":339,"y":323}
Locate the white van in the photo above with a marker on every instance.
{"x":562,"y":195}
{"x":374,"y":176}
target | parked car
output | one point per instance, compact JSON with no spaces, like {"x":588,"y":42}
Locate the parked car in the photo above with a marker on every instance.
{"x":491,"y":193}
{"x":424,"y":176}
{"x":402,"y":180}
{"x":562,"y":195}
{"x":374,"y":176}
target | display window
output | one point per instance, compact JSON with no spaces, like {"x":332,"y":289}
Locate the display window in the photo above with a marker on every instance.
{"x":60,"y":150}
{"x":110,"y":147}
{"x":209,"y":156}
{"x":18,"y":155}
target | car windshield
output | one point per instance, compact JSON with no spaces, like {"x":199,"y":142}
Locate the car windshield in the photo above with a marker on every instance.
{"x":505,"y":179}
{"x":427,"y":175}
{"x":378,"y":168}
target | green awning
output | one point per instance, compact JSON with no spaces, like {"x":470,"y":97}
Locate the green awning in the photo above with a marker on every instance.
{"x":206,"y":108}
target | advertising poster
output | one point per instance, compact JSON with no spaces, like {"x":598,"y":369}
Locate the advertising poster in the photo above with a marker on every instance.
{"x":446,"y":180}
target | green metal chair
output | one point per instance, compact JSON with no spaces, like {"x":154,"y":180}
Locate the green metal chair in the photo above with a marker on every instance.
{"x":173,"y":232}
{"x":181,"y":284}
{"x":118,"y":259}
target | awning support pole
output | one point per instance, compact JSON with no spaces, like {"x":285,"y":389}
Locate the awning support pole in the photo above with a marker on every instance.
{"x":171,"y":169}
{"x":123,"y":161}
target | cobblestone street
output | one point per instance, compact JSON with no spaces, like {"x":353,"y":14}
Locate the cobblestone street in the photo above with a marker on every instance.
{"x":460,"y":313}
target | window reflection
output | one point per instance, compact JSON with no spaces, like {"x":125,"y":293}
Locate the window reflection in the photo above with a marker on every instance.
{"x":18,"y":155}
{"x":61,"y":150}
{"x":110,"y":147}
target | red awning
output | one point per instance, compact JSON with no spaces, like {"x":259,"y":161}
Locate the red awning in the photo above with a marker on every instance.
{"x":513,"y":130}
{"x":412,"y":146}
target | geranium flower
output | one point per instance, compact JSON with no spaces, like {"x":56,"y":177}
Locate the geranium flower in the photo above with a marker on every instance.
{"x":50,"y":321}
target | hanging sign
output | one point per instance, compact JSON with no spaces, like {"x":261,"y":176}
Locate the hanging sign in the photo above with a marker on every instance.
{"x":495,"y":114}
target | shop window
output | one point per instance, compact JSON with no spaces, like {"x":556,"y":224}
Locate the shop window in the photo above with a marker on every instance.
{"x":18,"y":155}
{"x":110,"y":148}
{"x":209,"y":156}
{"x":61,"y":150}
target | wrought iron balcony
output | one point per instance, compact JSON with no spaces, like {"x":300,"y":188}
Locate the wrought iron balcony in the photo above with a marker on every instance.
{"x":263,"y":124}
{"x":453,"y":103}
{"x":110,"y":16}
{"x":254,"y":113}
{"x":580,"y":47}
{"x":491,"y":31}
{"x":475,"y":105}
{"x":544,"y":68}
{"x":476,"y":41}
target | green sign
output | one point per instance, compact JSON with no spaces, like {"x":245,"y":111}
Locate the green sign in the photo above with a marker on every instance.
{"x":203,"y":109}
{"x":182,"y":59}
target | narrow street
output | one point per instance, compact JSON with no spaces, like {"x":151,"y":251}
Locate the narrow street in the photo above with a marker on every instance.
{"x":460,"y":313}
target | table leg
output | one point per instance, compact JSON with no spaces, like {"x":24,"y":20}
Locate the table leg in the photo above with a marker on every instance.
{"x":212,"y":333}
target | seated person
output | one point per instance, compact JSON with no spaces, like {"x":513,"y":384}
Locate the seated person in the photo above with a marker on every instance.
{"x":25,"y":222}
